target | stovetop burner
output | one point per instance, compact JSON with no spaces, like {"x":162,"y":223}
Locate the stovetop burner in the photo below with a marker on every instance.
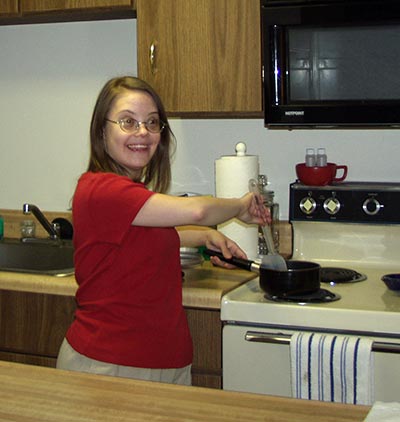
{"x":320,"y":296}
{"x":333,"y":275}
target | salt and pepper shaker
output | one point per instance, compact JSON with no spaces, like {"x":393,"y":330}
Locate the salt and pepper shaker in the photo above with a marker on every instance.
{"x":311,"y":158}
{"x":318,"y":159}
{"x":321,"y":157}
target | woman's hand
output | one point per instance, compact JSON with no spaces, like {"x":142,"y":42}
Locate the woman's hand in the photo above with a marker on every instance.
{"x":253,"y":211}
{"x":219,"y":242}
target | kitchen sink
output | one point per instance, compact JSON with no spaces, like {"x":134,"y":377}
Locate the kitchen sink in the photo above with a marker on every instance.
{"x":48,"y":257}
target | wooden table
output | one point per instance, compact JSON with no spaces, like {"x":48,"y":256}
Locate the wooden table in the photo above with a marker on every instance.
{"x":31,"y":393}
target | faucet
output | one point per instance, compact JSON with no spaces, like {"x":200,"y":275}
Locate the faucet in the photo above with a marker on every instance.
{"x":29,"y":208}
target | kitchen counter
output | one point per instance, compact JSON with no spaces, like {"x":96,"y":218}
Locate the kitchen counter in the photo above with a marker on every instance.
{"x":37,"y":311}
{"x":32,"y":393}
{"x":203,"y":285}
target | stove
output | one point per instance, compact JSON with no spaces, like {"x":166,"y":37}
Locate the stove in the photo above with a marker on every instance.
{"x":367,"y":307}
{"x":349,"y":228}
{"x":353,"y":231}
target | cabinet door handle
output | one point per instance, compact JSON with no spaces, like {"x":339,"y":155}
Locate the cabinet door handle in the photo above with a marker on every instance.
{"x":152,"y":57}
{"x":259,"y":337}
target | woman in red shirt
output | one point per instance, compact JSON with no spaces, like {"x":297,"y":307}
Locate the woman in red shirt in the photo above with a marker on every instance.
{"x":130,"y":321}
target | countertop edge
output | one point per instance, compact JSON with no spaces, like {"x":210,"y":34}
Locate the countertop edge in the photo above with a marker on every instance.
{"x":203,"y":286}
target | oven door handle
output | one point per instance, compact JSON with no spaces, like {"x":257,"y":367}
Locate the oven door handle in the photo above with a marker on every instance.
{"x":258,"y":337}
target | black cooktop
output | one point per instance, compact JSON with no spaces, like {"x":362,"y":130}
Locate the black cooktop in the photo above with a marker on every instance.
{"x":333,"y":275}
{"x":319,"y":296}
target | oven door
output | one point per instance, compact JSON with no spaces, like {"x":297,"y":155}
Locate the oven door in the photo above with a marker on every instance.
{"x":323,"y":63}
{"x":257,"y":360}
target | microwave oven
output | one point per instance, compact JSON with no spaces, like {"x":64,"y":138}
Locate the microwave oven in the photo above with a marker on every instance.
{"x":331,"y":63}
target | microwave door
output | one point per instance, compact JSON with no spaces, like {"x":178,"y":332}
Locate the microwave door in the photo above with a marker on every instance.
{"x":315,"y":66}
{"x":331,"y":63}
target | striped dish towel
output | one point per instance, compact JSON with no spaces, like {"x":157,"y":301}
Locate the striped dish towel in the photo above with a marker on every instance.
{"x":332,"y":368}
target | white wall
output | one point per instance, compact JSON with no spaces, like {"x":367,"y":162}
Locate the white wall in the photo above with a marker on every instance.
{"x":50,"y":75}
{"x":371,"y":155}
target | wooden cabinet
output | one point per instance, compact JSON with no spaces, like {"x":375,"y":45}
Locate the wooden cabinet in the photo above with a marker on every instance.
{"x":8,"y":7}
{"x":203,"y":57}
{"x":66,"y":5}
{"x":206,"y":330}
{"x":33,"y":325}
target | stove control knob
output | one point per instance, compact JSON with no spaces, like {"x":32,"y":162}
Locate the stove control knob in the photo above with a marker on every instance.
{"x":332,"y":206}
{"x":372,"y":206}
{"x":308,"y":205}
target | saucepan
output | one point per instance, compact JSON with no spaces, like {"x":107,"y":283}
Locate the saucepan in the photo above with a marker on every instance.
{"x":301,"y":277}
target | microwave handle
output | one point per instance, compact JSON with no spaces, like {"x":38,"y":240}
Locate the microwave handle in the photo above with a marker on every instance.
{"x":257,"y":337}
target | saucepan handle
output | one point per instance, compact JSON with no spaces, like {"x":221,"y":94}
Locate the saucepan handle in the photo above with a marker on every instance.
{"x":245,"y":264}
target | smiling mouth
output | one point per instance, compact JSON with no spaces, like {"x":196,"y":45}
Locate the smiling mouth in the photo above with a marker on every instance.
{"x":138,"y":147}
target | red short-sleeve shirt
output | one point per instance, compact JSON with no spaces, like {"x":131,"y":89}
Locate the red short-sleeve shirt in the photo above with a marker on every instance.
{"x":130,"y":285}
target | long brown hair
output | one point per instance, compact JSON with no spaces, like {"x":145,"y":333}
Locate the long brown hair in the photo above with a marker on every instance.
{"x":157,"y":174}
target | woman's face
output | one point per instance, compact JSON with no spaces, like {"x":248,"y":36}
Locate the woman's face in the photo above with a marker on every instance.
{"x":134,"y":150}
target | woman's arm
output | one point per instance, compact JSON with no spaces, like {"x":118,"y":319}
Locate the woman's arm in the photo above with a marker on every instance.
{"x":193,"y":236}
{"x":169,"y":211}
{"x":204,"y":236}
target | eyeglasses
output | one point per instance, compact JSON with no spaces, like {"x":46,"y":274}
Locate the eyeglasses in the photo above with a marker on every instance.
{"x":130,"y":125}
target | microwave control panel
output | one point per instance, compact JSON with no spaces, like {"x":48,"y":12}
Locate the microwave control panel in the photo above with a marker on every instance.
{"x":353,"y":202}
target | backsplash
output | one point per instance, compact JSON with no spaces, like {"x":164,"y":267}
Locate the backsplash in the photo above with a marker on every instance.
{"x":13,"y":219}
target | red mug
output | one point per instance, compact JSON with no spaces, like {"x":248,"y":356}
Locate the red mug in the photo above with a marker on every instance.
{"x":320,"y":176}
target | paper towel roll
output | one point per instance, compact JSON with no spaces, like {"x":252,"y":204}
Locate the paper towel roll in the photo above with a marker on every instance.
{"x":232,"y":175}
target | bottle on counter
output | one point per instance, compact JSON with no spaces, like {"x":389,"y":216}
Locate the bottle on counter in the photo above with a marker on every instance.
{"x":28,"y":229}
{"x":311,"y":158}
{"x":1,"y":227}
{"x":269,"y":202}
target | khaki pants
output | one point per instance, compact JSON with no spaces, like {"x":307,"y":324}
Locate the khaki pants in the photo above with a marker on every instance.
{"x":69,"y":359}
